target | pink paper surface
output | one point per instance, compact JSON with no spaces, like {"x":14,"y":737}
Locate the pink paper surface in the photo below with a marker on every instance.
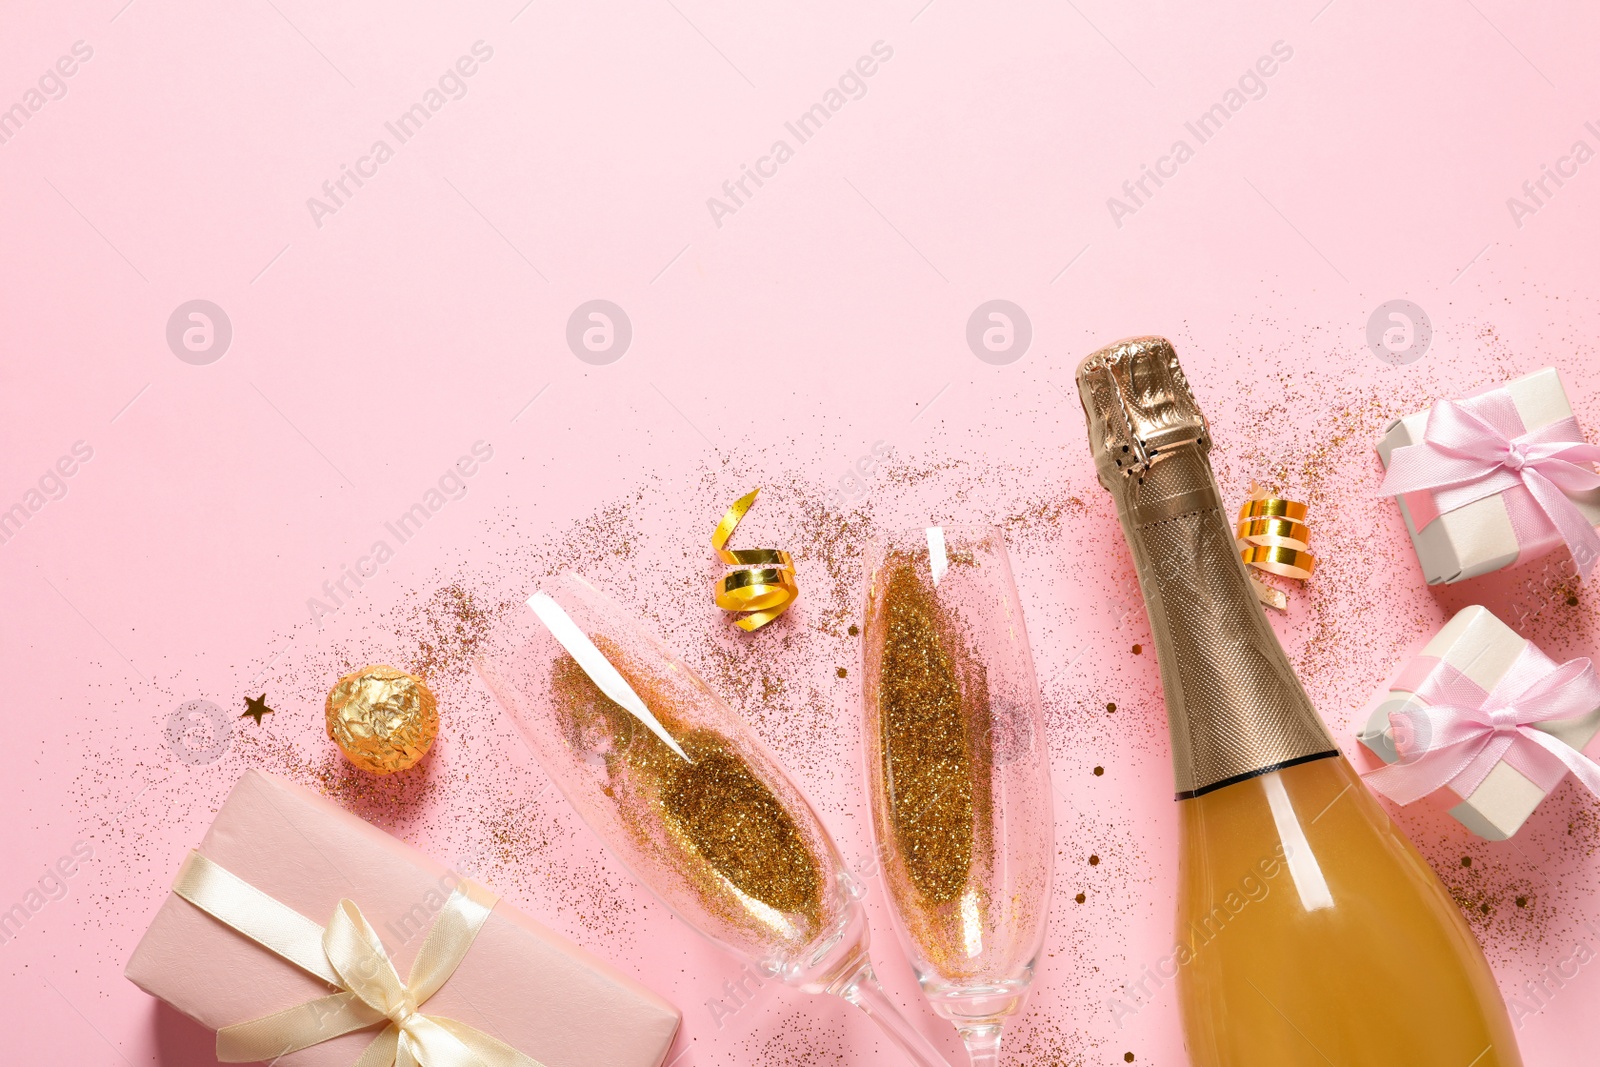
{"x":519,"y":983}
{"x":774,"y":345}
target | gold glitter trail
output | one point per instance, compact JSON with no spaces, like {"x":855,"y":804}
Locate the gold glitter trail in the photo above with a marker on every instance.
{"x":764,"y":586}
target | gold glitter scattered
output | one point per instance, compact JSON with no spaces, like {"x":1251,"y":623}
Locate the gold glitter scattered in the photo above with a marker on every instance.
{"x":793,"y":1038}
{"x":1039,"y":1041}
{"x":481,"y":803}
{"x":447,"y":629}
{"x":1313,"y":406}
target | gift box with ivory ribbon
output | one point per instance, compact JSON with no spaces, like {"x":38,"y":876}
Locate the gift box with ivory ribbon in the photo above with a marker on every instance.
{"x":305,"y":936}
{"x":1500,"y":477}
{"x":1488,"y":717}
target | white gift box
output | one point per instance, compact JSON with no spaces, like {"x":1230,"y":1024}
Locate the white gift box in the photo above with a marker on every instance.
{"x":1479,"y":538}
{"x":1483,"y":649}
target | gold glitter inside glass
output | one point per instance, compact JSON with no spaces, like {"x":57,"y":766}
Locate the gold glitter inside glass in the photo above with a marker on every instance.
{"x":713,"y":820}
{"x":933,"y":721}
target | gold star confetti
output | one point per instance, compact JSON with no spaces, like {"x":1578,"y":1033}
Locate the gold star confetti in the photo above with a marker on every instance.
{"x":255,"y":707}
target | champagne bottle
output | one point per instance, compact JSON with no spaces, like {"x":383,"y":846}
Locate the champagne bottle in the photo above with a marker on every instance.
{"x":1309,"y":931}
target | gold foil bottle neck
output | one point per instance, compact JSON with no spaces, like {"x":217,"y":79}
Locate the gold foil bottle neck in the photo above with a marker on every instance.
{"x":1139,"y":407}
{"x":1234,"y":705}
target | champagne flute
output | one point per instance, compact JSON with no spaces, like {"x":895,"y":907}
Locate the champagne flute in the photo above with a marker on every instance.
{"x":686,"y":796}
{"x":958,"y":772}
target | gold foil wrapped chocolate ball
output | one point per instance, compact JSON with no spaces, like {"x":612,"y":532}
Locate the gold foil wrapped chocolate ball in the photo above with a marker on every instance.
{"x":383,"y":719}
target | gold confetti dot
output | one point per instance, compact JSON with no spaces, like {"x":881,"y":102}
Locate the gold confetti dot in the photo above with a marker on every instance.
{"x":1094,"y":861}
{"x":1138,"y":650}
{"x":1110,"y":708}
{"x":1080,"y":898}
{"x":841,"y":672}
{"x":1098,"y":771}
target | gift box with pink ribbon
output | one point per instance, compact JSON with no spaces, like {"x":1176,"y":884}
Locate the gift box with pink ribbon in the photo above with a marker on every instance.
{"x":309,"y":938}
{"x":1488,"y":717}
{"x":1502,"y":476}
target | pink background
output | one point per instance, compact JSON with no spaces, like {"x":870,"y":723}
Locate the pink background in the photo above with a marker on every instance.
{"x":827,"y":313}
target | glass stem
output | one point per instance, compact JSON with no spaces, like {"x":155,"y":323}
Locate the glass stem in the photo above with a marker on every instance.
{"x":863,"y":990}
{"x":983,"y":1044}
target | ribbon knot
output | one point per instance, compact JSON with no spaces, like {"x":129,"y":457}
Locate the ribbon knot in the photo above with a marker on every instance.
{"x":1515,"y":459}
{"x":1480,"y":447}
{"x":402,"y":1013}
{"x":350,"y":957}
{"x":1462,"y":731}
{"x":1505,"y":720}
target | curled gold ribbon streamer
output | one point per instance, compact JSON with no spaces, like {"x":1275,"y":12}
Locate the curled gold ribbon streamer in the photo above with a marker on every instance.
{"x":1273,"y":537}
{"x":349,"y":956}
{"x":765,"y":586}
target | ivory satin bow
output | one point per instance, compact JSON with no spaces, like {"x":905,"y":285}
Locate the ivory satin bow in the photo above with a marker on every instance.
{"x":349,"y":956}
{"x":1480,"y":447}
{"x":1464,"y":731}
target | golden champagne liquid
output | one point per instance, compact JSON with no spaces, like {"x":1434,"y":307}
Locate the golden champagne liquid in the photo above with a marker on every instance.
{"x":1348,"y":952}
{"x":1310,"y":932}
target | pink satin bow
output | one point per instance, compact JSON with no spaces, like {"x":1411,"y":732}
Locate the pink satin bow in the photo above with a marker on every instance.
{"x":1463,"y":732}
{"x":1480,"y":447}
